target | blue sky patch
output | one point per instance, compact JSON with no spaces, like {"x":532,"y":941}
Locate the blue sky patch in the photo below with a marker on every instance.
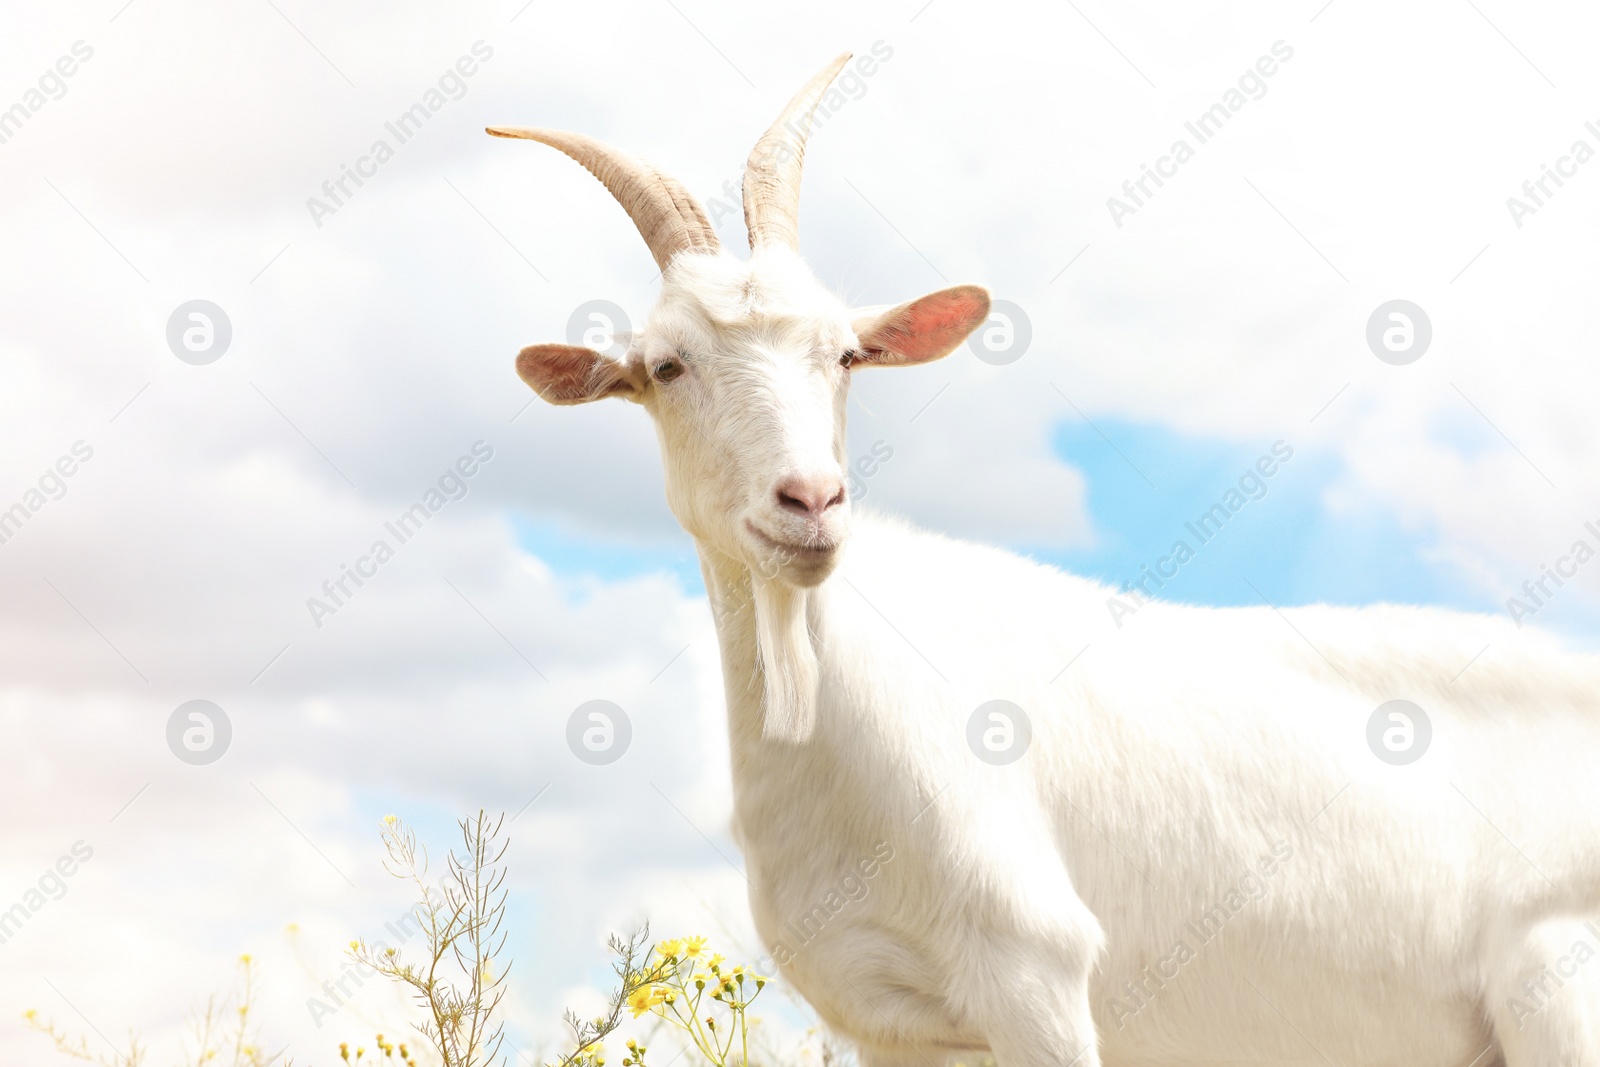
{"x":1149,"y":486}
{"x":574,"y":554}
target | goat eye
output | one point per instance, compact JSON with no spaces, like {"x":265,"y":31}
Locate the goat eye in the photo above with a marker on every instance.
{"x":667,"y":370}
{"x":847,"y":359}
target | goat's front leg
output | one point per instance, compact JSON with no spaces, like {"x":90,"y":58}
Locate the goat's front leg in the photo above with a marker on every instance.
{"x":1019,"y":944}
{"x":1031,"y":1000}
{"x":1016,"y":990}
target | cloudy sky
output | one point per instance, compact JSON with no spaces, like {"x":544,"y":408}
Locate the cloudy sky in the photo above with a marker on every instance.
{"x":1159,"y":347}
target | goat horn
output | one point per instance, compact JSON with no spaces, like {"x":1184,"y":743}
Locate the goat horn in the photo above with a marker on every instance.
{"x":669,"y":219}
{"x":772,"y":174}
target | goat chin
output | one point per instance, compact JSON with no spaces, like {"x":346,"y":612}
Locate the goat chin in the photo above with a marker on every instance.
{"x":788,"y":661}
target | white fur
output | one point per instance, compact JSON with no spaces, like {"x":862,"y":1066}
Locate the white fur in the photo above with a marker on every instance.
{"x":1165,"y":763}
{"x":1172,"y":766}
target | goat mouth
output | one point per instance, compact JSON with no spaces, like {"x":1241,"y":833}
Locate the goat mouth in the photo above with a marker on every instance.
{"x":787,"y":551}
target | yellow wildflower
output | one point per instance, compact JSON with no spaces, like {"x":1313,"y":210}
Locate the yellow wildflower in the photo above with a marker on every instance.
{"x":644,"y":999}
{"x":693,"y":946}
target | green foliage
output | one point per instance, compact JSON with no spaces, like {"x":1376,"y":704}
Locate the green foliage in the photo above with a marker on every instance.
{"x":458,"y":984}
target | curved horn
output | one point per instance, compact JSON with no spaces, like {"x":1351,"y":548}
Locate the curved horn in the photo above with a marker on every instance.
{"x":669,"y":219}
{"x":772,"y":174}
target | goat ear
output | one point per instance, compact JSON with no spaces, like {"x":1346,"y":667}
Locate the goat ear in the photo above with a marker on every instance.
{"x":921,"y":330}
{"x":571,"y":374}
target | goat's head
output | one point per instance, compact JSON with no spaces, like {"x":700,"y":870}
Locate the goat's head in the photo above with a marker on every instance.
{"x":745,"y":367}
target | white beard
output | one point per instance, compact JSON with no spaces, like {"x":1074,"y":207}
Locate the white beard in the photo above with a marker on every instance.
{"x":788,"y":661}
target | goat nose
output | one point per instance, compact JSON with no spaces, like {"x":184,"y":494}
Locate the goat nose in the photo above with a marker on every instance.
{"x":810,"y":496}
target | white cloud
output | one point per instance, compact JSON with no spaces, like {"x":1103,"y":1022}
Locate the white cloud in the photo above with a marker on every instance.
{"x":378,"y":348}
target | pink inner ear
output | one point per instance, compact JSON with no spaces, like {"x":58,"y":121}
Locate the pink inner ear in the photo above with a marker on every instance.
{"x":570,"y":374}
{"x":927,"y":328}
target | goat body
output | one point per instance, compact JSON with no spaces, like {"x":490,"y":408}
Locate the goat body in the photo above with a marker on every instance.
{"x":1198,"y":859}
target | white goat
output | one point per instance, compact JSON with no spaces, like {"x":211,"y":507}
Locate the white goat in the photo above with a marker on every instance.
{"x":1198,"y":859}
